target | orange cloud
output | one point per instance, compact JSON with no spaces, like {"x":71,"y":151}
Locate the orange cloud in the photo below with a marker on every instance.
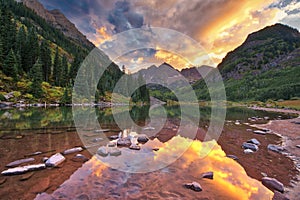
{"x":175,"y":60}
{"x":101,"y":36}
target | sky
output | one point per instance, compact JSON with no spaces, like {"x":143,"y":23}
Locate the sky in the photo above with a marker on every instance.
{"x":219,"y":26}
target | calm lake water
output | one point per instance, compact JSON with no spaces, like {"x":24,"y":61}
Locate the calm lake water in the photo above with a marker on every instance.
{"x":177,"y":157}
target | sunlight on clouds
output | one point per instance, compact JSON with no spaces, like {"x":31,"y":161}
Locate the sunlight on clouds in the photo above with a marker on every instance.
{"x":101,"y":36}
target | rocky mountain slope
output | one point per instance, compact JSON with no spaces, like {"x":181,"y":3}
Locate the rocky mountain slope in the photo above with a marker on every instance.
{"x":60,"y":22}
{"x":266,"y":66}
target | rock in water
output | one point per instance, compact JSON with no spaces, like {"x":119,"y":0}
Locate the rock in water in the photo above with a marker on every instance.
{"x":22,"y":170}
{"x":209,"y":175}
{"x":275,"y":148}
{"x":142,"y":138}
{"x":73,"y":150}
{"x":253,"y":147}
{"x":254,"y":141}
{"x":273,"y":184}
{"x":102,"y":151}
{"x":124,"y":142}
{"x":232,"y":157}
{"x":26,"y":176}
{"x":19,"y":162}
{"x":55,"y":160}
{"x":114,"y":151}
{"x":135,"y":147}
{"x":80,"y":158}
{"x":279,"y":196}
{"x":194,"y":186}
{"x":248,"y":151}
{"x":259,"y":132}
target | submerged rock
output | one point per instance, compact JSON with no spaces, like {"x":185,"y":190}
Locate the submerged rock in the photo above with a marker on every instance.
{"x":73,"y":150}
{"x":254,"y":141}
{"x":232,"y":157}
{"x":275,"y":148}
{"x":102,"y":151}
{"x":259,"y":132}
{"x":114,"y":151}
{"x":27,"y":176}
{"x":279,"y":196}
{"x":273,"y":184}
{"x":55,"y":160}
{"x":135,"y":147}
{"x":19,"y":162}
{"x":113,"y":137}
{"x":193,"y":186}
{"x":251,"y":146}
{"x":209,"y":175}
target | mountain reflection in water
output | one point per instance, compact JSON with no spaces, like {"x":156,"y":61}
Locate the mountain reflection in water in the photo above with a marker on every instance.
{"x":95,"y":180}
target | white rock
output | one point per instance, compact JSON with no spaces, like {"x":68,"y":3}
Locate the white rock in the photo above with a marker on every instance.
{"x":55,"y":160}
{"x":22,"y":170}
{"x":73,"y":150}
{"x":248,"y":151}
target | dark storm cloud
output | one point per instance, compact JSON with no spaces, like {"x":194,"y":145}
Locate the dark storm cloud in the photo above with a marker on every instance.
{"x":123,"y":18}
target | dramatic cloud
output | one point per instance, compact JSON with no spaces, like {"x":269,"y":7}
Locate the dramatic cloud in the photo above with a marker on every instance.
{"x":218,"y":25}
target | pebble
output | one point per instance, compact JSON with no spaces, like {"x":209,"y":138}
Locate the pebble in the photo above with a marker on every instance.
{"x":208,"y":175}
{"x":194,"y":186}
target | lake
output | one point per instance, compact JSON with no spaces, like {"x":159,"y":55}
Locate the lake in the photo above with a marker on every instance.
{"x":177,"y":153}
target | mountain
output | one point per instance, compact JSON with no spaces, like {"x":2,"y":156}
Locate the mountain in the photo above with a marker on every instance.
{"x":60,"y":22}
{"x":266,"y":66}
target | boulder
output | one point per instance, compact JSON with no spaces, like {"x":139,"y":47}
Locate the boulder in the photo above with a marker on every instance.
{"x":44,"y":159}
{"x":73,"y":150}
{"x":19,"y":162}
{"x":26,"y":176}
{"x":209,"y":175}
{"x":254,"y":141}
{"x":275,"y":148}
{"x":249,"y":130}
{"x":55,"y":160}
{"x":142,"y":138}
{"x":298,"y":146}
{"x":259,"y":132}
{"x":22,"y":170}
{"x":273,"y":184}
{"x":251,"y":146}
{"x":194,"y":186}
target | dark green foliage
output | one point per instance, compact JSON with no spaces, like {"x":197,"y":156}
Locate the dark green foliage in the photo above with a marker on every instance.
{"x":65,"y":72}
{"x":10,"y":67}
{"x":32,"y":50}
{"x":36,"y":75}
{"x":45,"y":55}
{"x":57,"y":69}
{"x":67,"y":96}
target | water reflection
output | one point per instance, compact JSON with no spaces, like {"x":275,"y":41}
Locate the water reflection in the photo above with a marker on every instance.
{"x":97,"y":181}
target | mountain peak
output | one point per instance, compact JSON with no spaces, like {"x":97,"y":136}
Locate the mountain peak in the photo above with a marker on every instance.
{"x":59,"y":21}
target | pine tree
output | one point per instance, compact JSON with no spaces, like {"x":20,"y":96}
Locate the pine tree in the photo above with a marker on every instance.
{"x":8,"y":30}
{"x":45,"y":55}
{"x":1,"y":54}
{"x":31,"y":50}
{"x":37,"y":78}
{"x":21,"y":46}
{"x":65,"y":73}
{"x":10,"y":65}
{"x":74,"y":69}
{"x":57,"y":69}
